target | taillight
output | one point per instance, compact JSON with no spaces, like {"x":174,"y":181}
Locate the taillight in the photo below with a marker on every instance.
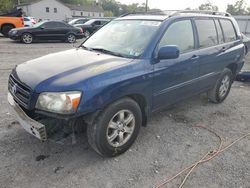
{"x":81,"y":30}
{"x":22,"y":20}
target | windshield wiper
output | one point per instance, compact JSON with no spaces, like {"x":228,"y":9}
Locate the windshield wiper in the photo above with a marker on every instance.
{"x":108,"y":52}
{"x":84,"y":47}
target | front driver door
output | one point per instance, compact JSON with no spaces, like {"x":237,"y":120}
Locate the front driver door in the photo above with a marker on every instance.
{"x":175,"y":79}
{"x":46,"y":31}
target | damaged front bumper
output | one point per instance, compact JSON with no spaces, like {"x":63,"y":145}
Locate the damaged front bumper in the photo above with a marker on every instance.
{"x":33,"y":127}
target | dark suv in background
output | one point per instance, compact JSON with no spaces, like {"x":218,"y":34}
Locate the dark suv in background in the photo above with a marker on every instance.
{"x":92,"y":25}
{"x":133,"y":66}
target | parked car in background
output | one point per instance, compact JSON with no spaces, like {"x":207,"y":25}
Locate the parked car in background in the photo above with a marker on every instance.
{"x":47,"y":30}
{"x":29,"y":21}
{"x":11,"y":20}
{"x":78,"y":21}
{"x":246,"y":42}
{"x":130,"y":68}
{"x":92,"y":25}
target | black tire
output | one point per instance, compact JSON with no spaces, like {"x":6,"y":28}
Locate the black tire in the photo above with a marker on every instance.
{"x":27,"y":38}
{"x":214,"y":94}
{"x":71,"y":38}
{"x":5,"y":29}
{"x":98,"y":132}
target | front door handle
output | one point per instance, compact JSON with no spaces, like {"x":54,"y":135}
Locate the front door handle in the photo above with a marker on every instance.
{"x":194,"y":57}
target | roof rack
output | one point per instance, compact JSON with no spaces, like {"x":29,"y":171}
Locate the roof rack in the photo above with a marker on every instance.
{"x":202,"y":12}
{"x":178,"y":12}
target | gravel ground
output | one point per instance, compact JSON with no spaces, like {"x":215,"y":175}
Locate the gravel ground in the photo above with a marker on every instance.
{"x":166,"y":146}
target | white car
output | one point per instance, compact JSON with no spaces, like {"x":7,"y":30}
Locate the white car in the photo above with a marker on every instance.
{"x":29,"y":21}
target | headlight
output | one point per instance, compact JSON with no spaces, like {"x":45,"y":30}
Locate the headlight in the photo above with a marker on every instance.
{"x":63,"y":102}
{"x":14,"y":32}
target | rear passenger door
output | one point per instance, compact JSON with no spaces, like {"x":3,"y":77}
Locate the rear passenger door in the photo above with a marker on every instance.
{"x":211,"y":48}
{"x":61,"y":30}
{"x":215,"y":49}
{"x":175,"y":79}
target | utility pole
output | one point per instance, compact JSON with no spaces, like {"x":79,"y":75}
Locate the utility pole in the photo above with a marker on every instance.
{"x":146,"y":5}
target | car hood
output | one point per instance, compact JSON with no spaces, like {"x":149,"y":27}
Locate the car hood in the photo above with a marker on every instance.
{"x":67,"y":68}
{"x":23,"y":28}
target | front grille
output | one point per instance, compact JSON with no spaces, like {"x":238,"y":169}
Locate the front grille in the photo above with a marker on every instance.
{"x":20,"y":92}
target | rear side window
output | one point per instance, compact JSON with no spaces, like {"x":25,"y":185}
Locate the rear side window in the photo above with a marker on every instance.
{"x":206,"y":32}
{"x":219,"y":32}
{"x":228,"y":29}
{"x":180,"y":34}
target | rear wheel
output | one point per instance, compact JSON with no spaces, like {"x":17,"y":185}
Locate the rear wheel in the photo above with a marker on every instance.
{"x":27,"y":38}
{"x":71,"y":38}
{"x":116,"y":128}
{"x":222,"y":87}
{"x":6,"y":29}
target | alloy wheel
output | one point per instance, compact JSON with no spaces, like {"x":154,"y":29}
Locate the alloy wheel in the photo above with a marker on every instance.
{"x":120,"y":128}
{"x":27,"y":38}
{"x":224,"y":87}
{"x":71,"y":38}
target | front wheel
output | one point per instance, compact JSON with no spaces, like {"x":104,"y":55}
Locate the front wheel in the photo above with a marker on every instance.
{"x":86,"y":33}
{"x":116,"y":128}
{"x":222,"y":87}
{"x":27,"y":38}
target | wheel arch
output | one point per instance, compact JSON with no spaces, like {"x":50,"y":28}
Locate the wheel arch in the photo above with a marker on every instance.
{"x":233,"y":67}
{"x":141,"y":101}
{"x":5,"y":24}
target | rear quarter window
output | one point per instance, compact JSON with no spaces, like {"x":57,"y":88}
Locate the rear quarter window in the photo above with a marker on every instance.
{"x":206,"y":32}
{"x":228,"y":29}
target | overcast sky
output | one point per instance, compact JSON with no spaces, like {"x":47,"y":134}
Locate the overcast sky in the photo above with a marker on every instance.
{"x":181,"y":4}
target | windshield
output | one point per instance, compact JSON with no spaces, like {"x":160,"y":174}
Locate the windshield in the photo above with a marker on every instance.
{"x":72,"y":21}
{"x":125,"y":37}
{"x":39,"y":24}
{"x":89,"y":22}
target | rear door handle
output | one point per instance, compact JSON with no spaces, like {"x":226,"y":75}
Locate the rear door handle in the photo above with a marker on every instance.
{"x":194,"y":57}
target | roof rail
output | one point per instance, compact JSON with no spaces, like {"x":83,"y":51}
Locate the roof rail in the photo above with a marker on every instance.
{"x":177,"y":12}
{"x":145,"y":13}
{"x":203,"y":12}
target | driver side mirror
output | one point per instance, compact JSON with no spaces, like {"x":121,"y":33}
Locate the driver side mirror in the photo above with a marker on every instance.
{"x":42,"y":27}
{"x":168,"y":52}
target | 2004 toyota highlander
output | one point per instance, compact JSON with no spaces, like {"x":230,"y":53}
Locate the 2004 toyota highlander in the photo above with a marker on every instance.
{"x":133,"y":66}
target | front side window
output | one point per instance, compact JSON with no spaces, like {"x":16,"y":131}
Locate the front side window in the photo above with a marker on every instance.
{"x":207,"y":33}
{"x":49,"y":25}
{"x":229,"y":32}
{"x":180,"y":34}
{"x":128,"y":38}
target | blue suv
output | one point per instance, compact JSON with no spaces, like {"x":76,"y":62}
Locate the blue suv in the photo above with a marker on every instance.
{"x":135,"y":65}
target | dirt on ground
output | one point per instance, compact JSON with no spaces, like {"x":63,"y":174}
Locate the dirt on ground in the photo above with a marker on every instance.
{"x":167,"y":145}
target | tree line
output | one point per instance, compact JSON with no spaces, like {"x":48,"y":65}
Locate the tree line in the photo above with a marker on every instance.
{"x":115,"y":8}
